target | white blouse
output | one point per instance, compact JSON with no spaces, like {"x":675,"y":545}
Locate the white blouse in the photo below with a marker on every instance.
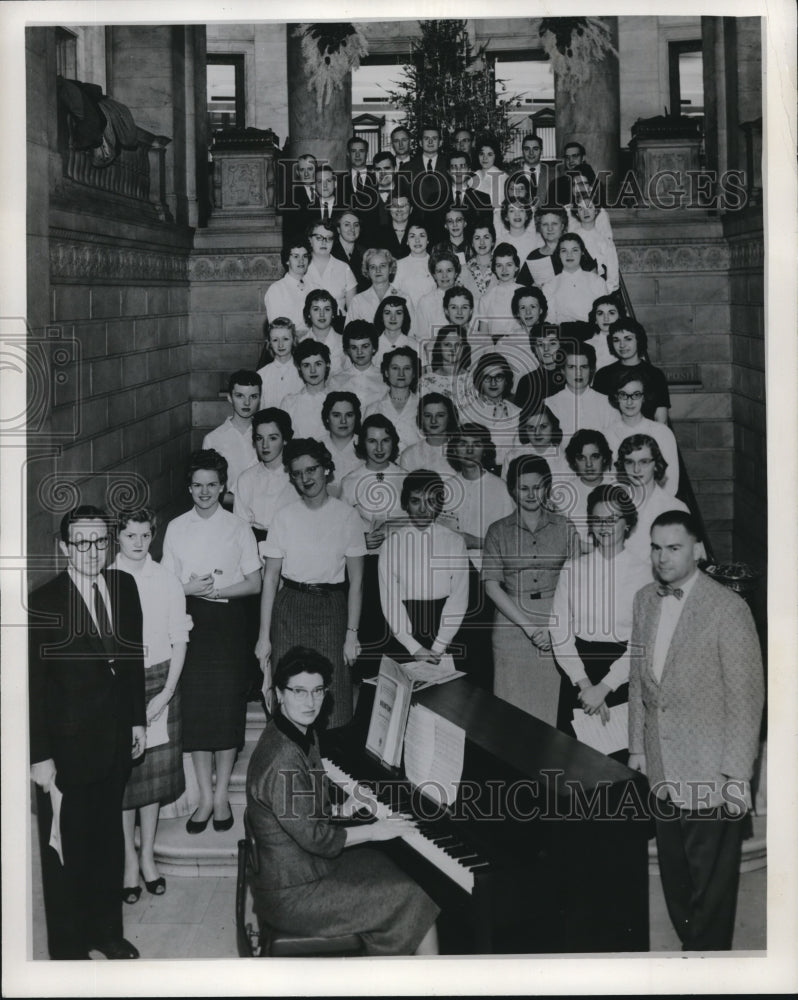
{"x":260,"y":492}
{"x":280,"y":379}
{"x":234,"y":445}
{"x":404,"y":421}
{"x":221,"y":544}
{"x":374,"y":495}
{"x":314,"y":543}
{"x":304,"y":409}
{"x":664,"y":437}
{"x":475,"y":504}
{"x":413,"y":274}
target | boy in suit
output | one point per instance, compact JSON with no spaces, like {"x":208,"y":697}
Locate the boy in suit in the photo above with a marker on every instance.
{"x":696,"y":692}
{"x":87,"y":722}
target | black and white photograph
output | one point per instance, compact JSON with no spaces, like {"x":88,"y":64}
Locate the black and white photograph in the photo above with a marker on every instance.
{"x":398,"y":537}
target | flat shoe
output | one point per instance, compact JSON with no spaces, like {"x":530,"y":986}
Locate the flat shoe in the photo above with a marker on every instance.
{"x":131,"y":894}
{"x":157,"y":887}
{"x":224,"y":824}
{"x":117,"y":948}
{"x":196,"y":826}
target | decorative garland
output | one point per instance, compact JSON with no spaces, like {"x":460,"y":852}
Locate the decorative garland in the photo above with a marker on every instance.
{"x":573,"y":44}
{"x":330,"y":51}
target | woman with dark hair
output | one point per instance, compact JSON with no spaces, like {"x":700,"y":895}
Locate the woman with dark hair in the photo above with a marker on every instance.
{"x":528,"y":306}
{"x":494,"y":310}
{"x":592,"y":223}
{"x":606,"y":310}
{"x":312,"y":361}
{"x":539,"y":433}
{"x":454,"y":225}
{"x":478,"y":274}
{"x":543,"y":263}
{"x":265,"y":487}
{"x":521,"y":562}
{"x":400,"y":371}
{"x":392,"y":323}
{"x":213,"y":554}
{"x":592,"y":612}
{"x":571,"y":293}
{"x":423,"y":574}
{"x":286,"y":297}
{"x":445,"y":269}
{"x":514,"y":225}
{"x":629,"y":399}
{"x":629,"y":344}
{"x":278,"y":373}
{"x":437,"y":421}
{"x":490,"y":178}
{"x":379,"y":266}
{"x":373,"y":489}
{"x":157,"y":777}
{"x":451,"y":360}
{"x":490,"y":404}
{"x":641,"y":467}
{"x":311,"y":548}
{"x":589,"y":459}
{"x":535,"y":388}
{"x":321,"y":315}
{"x":305,"y":882}
{"x":412,"y":272}
{"x":340,"y":414}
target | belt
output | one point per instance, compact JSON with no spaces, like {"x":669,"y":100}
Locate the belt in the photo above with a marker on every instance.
{"x":536,"y":595}
{"x":314,"y":588}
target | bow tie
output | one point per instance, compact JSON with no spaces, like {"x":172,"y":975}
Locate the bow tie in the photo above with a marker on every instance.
{"x":665,"y":590}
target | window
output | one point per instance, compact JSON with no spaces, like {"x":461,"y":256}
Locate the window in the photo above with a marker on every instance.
{"x":686,"y":72}
{"x":225,"y":91}
{"x":66,"y":51}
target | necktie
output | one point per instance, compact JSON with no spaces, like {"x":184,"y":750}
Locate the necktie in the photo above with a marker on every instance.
{"x":429,"y":166}
{"x":360,"y":182}
{"x":665,"y":590}
{"x":459,"y":199}
{"x":104,"y":626}
{"x":325,"y":213}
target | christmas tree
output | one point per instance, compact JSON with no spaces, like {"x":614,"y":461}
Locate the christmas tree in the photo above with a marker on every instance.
{"x":448,"y":85}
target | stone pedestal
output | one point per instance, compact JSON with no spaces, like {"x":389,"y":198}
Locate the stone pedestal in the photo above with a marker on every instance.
{"x":662,"y":167}
{"x":243,"y":180}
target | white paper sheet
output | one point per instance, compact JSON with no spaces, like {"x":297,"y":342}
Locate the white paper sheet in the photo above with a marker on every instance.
{"x":434,"y":749}
{"x":606,"y":738}
{"x":55,"y":827}
{"x":157,"y":734}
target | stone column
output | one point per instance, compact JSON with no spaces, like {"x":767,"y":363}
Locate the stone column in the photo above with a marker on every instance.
{"x":594,"y":116}
{"x":323,"y":133}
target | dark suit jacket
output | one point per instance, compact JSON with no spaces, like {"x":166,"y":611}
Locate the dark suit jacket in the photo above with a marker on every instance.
{"x":545,"y":177}
{"x":476,"y":203}
{"x":82,"y":707}
{"x":700,"y":721}
{"x":355,"y":262}
{"x":429,"y":193}
{"x":361,"y":201}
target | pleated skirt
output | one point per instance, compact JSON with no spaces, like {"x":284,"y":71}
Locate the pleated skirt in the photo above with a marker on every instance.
{"x":317,"y":620}
{"x":158,"y":775}
{"x":215,"y":677}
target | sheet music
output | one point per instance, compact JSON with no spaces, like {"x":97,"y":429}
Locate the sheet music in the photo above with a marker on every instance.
{"x":425,"y":674}
{"x":157,"y":735}
{"x":607,"y":738}
{"x":56,"y":797}
{"x":541,"y":270}
{"x":434,"y":749}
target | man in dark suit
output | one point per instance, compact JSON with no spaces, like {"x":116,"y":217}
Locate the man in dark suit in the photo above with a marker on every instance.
{"x":296,"y":192}
{"x":577,"y":175}
{"x":464,"y":143}
{"x":327,"y":203}
{"x":537,"y":173}
{"x":400,"y":145}
{"x":87,"y":721}
{"x":430,"y":182}
{"x":696,"y":691}
{"x":378,"y":217}
{"x":476,"y":204}
{"x":348,"y":248}
{"x":357,"y":190}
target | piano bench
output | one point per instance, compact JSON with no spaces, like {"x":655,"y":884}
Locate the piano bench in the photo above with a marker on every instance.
{"x":267,"y":942}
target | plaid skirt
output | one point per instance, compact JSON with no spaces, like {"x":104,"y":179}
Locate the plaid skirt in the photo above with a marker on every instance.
{"x":157,"y":776}
{"x":319,"y":622}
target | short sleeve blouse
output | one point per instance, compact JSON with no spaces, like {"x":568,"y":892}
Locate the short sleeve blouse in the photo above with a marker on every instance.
{"x":315,"y":542}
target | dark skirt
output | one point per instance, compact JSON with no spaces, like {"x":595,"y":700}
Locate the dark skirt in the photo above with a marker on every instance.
{"x":597,"y":658}
{"x":215,"y":676}
{"x":374,"y":635}
{"x":475,"y":634}
{"x":158,"y":776}
{"x":364,"y":894}
{"x":317,"y":620}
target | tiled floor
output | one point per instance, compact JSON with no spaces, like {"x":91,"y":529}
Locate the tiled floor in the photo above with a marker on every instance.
{"x":196,"y":919}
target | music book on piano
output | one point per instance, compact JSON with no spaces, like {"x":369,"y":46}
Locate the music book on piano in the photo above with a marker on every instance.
{"x":396,"y":683}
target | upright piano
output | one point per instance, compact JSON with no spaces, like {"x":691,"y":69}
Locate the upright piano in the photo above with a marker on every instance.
{"x":545,"y":849}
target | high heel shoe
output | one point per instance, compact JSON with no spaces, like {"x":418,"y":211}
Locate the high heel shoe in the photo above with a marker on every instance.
{"x":157,"y":887}
{"x":131,"y":894}
{"x":197,"y":826}
{"x":224,"y":824}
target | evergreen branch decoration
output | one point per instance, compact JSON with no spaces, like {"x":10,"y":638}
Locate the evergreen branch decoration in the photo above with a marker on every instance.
{"x":329,"y":52}
{"x":574,"y":44}
{"x":449,"y":85}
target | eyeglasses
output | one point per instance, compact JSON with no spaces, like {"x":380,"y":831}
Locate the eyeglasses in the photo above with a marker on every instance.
{"x":629,"y":397}
{"x":495,"y":378}
{"x":310,"y":471}
{"x":606,"y":522}
{"x":304,"y":694}
{"x":86,"y":543}
{"x":322,"y":239}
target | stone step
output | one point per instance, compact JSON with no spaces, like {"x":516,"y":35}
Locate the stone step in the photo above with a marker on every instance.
{"x":256,"y":720}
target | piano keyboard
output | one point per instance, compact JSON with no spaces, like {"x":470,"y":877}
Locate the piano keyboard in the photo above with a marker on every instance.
{"x":449,"y":855}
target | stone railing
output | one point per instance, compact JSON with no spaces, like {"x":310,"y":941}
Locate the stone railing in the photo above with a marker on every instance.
{"x":244,"y":175}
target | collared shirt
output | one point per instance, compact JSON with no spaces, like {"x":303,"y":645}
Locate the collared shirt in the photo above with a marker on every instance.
{"x":580,"y":410}
{"x":280,"y":379}
{"x":569,"y":496}
{"x":163,"y":608}
{"x":304,"y":409}
{"x":260,"y":492}
{"x":366,"y":384}
{"x":404,"y":420}
{"x":235,"y":445}
{"x":494,"y":309}
{"x":424,"y":455}
{"x":336,"y":278}
{"x":286,"y":297}
{"x":475,"y":504}
{"x":334,"y":345}
{"x":593,"y":600}
{"x":384,"y":346}
{"x":85,"y":587}
{"x":374,"y":495}
{"x":639,"y":542}
{"x":662,"y":434}
{"x":430,"y":317}
{"x":500,"y":417}
{"x":571,"y":295}
{"x":513,"y":347}
{"x":423,"y":564}
{"x":670,"y":613}
{"x":314,"y":542}
{"x":412,"y":273}
{"x":365,"y":304}
{"x":345,"y":461}
{"x":221,"y":544}
{"x":527,"y":561}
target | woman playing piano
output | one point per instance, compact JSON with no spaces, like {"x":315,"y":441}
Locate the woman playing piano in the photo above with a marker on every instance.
{"x":307,"y":883}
